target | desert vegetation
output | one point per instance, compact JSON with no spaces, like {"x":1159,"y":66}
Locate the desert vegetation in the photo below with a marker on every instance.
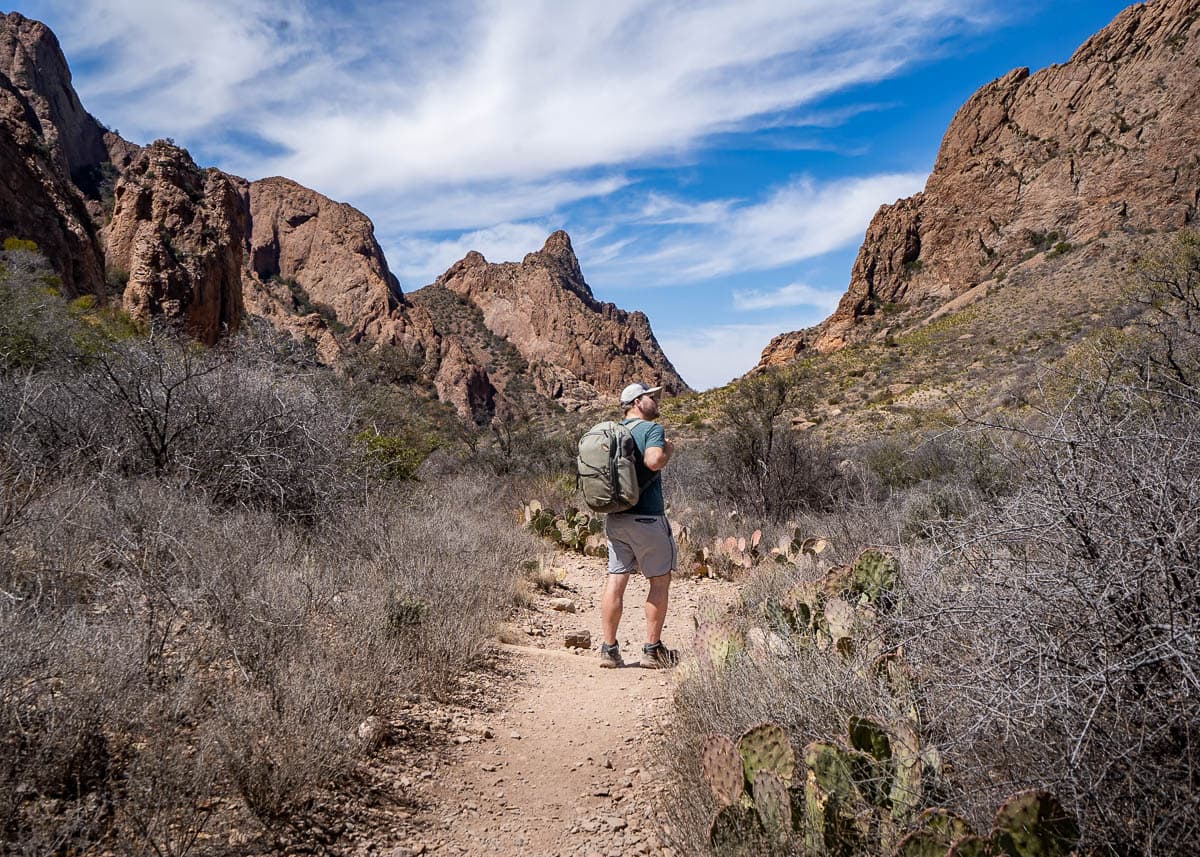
{"x":221,"y":567}
{"x":1037,"y":636}
{"x":214,"y":578}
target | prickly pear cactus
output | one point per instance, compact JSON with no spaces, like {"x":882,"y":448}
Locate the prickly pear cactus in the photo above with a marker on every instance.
{"x":735,"y":832}
{"x":971,"y":846}
{"x":944,"y":823}
{"x":907,"y":781}
{"x":830,"y":766}
{"x":1034,"y":824}
{"x":717,"y":643}
{"x":936,"y":831}
{"x":773,"y":804}
{"x":875,"y":575}
{"x":766,"y":747}
{"x":922,"y":843}
{"x":722,"y":767}
{"x":779,"y":616}
{"x":839,"y":619}
{"x":870,"y":737}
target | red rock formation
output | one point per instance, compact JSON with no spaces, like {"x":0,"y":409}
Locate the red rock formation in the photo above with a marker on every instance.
{"x":44,"y":135}
{"x":32,"y":60}
{"x":574,"y":344}
{"x":37,"y":203}
{"x":178,"y":233}
{"x":1105,"y":142}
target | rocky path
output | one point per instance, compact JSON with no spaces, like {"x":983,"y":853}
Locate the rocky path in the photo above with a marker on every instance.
{"x":565,"y":765}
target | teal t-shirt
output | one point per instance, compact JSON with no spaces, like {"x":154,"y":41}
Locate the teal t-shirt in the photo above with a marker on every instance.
{"x":650,"y":498}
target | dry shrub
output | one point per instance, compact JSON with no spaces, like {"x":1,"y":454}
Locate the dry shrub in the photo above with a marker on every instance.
{"x":809,"y":692}
{"x":233,"y":422}
{"x":1052,"y":622}
{"x":197,"y":585}
{"x":1060,"y":648}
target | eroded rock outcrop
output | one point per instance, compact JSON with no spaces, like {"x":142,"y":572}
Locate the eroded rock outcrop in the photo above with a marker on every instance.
{"x":177,"y":233}
{"x":45,"y":135}
{"x":199,"y":246}
{"x":575,"y":346}
{"x":1104,"y":143}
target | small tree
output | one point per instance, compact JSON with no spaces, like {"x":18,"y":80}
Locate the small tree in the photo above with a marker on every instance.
{"x":757,"y":463}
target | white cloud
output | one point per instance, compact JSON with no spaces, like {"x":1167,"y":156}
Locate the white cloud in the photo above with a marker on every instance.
{"x":794,"y":294}
{"x":711,"y":357}
{"x":662,"y":209}
{"x":801,"y":220}
{"x":462,"y":207}
{"x":424,"y":259}
{"x":417,"y":103}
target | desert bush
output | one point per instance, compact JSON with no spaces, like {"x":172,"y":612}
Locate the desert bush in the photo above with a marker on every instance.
{"x":245,"y":430}
{"x":159,"y":651}
{"x":755,"y":464}
{"x":1050,"y":625}
{"x":198,"y":580}
{"x":1069,"y":655}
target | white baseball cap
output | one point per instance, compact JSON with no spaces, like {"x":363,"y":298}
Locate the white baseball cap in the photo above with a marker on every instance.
{"x":634,"y":390}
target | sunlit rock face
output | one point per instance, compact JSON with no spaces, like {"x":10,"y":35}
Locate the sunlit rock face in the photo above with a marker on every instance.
{"x":1103,"y":143}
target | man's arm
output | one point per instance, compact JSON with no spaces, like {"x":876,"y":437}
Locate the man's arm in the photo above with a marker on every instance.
{"x":658,"y":449}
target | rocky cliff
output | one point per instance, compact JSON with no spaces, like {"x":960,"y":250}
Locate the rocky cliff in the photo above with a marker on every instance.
{"x":314,"y":268}
{"x":202,"y":247}
{"x":176,"y":238}
{"x":1102,"y":144}
{"x":45,"y":135}
{"x":575,"y":348}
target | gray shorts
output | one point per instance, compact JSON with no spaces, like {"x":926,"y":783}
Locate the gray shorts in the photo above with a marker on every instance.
{"x":639,"y":542}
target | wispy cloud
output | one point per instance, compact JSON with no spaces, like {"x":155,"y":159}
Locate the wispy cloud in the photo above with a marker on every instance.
{"x":423,"y":259}
{"x":793,"y":294}
{"x":801,"y":220}
{"x":415,"y":104}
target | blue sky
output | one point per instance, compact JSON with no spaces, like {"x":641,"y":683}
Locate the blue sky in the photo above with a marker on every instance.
{"x":716,"y":163}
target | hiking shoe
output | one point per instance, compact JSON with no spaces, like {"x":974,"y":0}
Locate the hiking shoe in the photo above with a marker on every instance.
{"x":610,"y":656}
{"x":658,"y":657}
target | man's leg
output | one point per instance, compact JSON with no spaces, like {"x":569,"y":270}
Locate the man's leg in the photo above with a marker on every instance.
{"x":656,"y":607}
{"x":611,"y":605}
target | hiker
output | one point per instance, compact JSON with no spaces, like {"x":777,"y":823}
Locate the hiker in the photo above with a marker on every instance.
{"x":640,"y":538}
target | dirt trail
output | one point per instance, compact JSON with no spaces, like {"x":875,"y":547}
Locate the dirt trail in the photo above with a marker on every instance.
{"x":566,"y":765}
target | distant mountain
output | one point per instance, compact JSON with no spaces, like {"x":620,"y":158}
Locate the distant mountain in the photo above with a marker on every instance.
{"x":1093,"y":153}
{"x":570,"y":347}
{"x":170,"y":239}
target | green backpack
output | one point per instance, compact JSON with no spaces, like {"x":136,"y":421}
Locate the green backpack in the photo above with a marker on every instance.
{"x":606,"y":467}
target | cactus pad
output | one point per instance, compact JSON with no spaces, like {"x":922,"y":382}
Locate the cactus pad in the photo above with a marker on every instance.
{"x":716,"y":643}
{"x":773,"y":804}
{"x":921,"y":843}
{"x":832,"y":769}
{"x":838,"y":580}
{"x":766,"y":747}
{"x":971,"y":846}
{"x":944,"y":824}
{"x":1034,"y":824}
{"x":779,"y":616}
{"x":870,"y":737}
{"x":875,"y":575}
{"x":839,"y":618}
{"x":906,"y":757}
{"x":734,"y":831}
{"x":722,"y":767}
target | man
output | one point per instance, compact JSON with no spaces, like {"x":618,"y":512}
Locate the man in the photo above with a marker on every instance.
{"x":640,"y":538}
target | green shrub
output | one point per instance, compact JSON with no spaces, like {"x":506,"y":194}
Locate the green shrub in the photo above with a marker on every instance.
{"x":14,"y":244}
{"x":396,"y":456}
